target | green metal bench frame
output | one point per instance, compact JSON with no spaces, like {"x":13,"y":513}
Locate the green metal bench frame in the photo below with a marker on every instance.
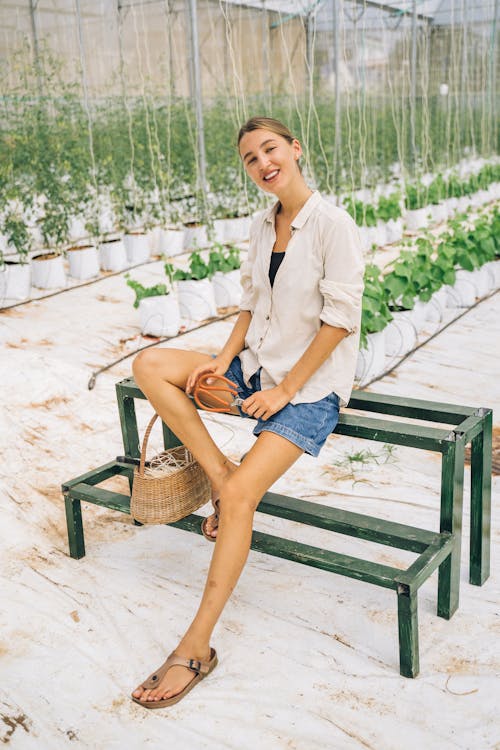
{"x":435,"y":549}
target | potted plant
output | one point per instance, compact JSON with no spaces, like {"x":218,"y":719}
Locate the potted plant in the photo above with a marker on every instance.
{"x":83,"y":256}
{"x":168,"y":238}
{"x":417,"y":212}
{"x":48,"y":267}
{"x":224,"y":264}
{"x":129,"y":209}
{"x":473,"y":247}
{"x":374,"y":319}
{"x":436,"y":193}
{"x":15,"y":275}
{"x":158,"y":307}
{"x":365,"y":215}
{"x":195,"y":290}
{"x":389,"y":212}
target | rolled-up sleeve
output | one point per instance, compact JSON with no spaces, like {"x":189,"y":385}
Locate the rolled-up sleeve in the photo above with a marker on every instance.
{"x":246,"y":302}
{"x":246,"y":268}
{"x":342,"y":284}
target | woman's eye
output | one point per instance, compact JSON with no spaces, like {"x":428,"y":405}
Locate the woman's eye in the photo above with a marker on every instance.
{"x":251,"y":160}
{"x":271,"y":148}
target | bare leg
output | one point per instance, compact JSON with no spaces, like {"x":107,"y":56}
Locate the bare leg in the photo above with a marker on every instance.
{"x":162,"y":374}
{"x":268,"y":459}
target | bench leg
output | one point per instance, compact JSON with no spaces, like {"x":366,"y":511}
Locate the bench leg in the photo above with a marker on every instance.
{"x":480,"y":503}
{"x":408,"y":631}
{"x":75,"y":527}
{"x":452,"y":484}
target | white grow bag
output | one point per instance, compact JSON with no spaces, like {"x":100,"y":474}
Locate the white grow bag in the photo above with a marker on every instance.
{"x":83,"y":262}
{"x":227,"y":288}
{"x":371,"y":360}
{"x":112,"y":255}
{"x":15,"y":281}
{"x":196,"y":299}
{"x":160,"y":316}
{"x":48,"y":273}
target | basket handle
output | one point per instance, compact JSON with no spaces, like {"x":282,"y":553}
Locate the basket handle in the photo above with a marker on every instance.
{"x":145,"y":443}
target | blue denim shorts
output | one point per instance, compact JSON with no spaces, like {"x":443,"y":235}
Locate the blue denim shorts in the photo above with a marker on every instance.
{"x":305,"y":425}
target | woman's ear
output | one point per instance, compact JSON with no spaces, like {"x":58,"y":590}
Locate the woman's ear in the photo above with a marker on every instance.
{"x":297,"y":149}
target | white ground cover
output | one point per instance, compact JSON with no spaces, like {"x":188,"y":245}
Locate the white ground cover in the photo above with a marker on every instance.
{"x":308,"y":660}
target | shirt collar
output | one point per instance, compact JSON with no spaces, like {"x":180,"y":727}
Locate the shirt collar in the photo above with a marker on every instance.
{"x":303,"y":214}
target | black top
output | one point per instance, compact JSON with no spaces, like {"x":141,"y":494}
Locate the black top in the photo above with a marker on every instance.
{"x":276,"y":259}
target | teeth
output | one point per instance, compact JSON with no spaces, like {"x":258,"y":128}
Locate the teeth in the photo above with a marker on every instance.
{"x":272,"y":174}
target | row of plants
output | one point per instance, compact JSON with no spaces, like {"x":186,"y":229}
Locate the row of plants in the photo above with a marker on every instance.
{"x":425,"y":266}
{"x":201,"y":288}
{"x":140,"y":153}
{"x":55,"y":224}
{"x":419,"y":195}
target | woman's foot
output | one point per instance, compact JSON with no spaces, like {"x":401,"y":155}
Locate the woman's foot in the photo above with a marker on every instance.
{"x":211,"y":523}
{"x":177,"y":677}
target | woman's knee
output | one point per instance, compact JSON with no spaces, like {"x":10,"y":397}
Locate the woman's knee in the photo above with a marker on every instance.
{"x":236,"y":500}
{"x":144,"y":362}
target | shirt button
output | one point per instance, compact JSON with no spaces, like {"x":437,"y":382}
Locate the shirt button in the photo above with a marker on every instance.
{"x":267,"y":317}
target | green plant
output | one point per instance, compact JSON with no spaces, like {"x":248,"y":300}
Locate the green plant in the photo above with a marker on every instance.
{"x":473,"y":246}
{"x":399,"y":284}
{"x":17,"y":233}
{"x":436,"y":190}
{"x":223,"y":259}
{"x":55,"y":223}
{"x":362,"y":213}
{"x":454,"y":187}
{"x":375,"y":310}
{"x":198,"y":269}
{"x":141,"y":291}
{"x":389,"y":207}
{"x":416,"y":197}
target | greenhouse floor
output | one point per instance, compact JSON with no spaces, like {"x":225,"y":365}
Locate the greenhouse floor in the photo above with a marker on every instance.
{"x":307,"y":660}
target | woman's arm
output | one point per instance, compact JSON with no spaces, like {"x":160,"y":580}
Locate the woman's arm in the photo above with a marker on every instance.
{"x":264,"y":404}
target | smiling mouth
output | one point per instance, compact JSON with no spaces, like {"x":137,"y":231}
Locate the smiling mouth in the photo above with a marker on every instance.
{"x":269,"y":177}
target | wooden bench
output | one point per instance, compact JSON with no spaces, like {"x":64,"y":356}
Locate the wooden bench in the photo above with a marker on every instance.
{"x":441,"y":549}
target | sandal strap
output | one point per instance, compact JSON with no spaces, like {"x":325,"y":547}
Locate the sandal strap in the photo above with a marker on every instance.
{"x":173,"y":660}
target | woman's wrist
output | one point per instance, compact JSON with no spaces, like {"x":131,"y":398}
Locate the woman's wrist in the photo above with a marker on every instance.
{"x":224,"y":358}
{"x":288,"y":389}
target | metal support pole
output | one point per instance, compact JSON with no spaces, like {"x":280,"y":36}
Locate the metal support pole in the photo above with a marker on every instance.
{"x":338,"y":113}
{"x":36,"y":49}
{"x":492,"y":82}
{"x":310,"y":23}
{"x":413,"y":87}
{"x":196,"y":96}
{"x":266,"y":62}
{"x":83,"y":63}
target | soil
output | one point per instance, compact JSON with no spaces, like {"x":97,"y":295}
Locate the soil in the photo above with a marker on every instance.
{"x":46,"y":256}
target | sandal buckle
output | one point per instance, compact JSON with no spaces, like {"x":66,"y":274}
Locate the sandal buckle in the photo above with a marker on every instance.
{"x":195,"y":665}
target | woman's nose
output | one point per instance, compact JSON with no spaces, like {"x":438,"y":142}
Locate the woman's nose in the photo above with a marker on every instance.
{"x":263,"y":162}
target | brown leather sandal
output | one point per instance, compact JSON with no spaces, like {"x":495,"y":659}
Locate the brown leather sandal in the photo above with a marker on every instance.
{"x":200,"y":668}
{"x":204,"y":531}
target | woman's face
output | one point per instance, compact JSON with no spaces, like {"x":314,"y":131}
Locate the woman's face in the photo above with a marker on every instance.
{"x":269,"y":159}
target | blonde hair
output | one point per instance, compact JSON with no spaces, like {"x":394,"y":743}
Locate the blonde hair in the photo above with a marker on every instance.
{"x":266,"y":123}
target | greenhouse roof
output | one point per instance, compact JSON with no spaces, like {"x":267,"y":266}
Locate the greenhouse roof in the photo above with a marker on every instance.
{"x":435,"y":12}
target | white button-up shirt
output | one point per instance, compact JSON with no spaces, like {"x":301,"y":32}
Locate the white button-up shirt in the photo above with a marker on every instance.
{"x":319,"y":279}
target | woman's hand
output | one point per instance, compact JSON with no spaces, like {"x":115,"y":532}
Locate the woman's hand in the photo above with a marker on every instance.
{"x":217,"y":366}
{"x":263,"y":404}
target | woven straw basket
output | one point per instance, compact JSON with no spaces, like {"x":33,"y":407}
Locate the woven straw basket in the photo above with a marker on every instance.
{"x":171,"y":497}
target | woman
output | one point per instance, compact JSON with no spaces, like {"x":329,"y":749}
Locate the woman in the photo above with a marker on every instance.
{"x":292,"y":353}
